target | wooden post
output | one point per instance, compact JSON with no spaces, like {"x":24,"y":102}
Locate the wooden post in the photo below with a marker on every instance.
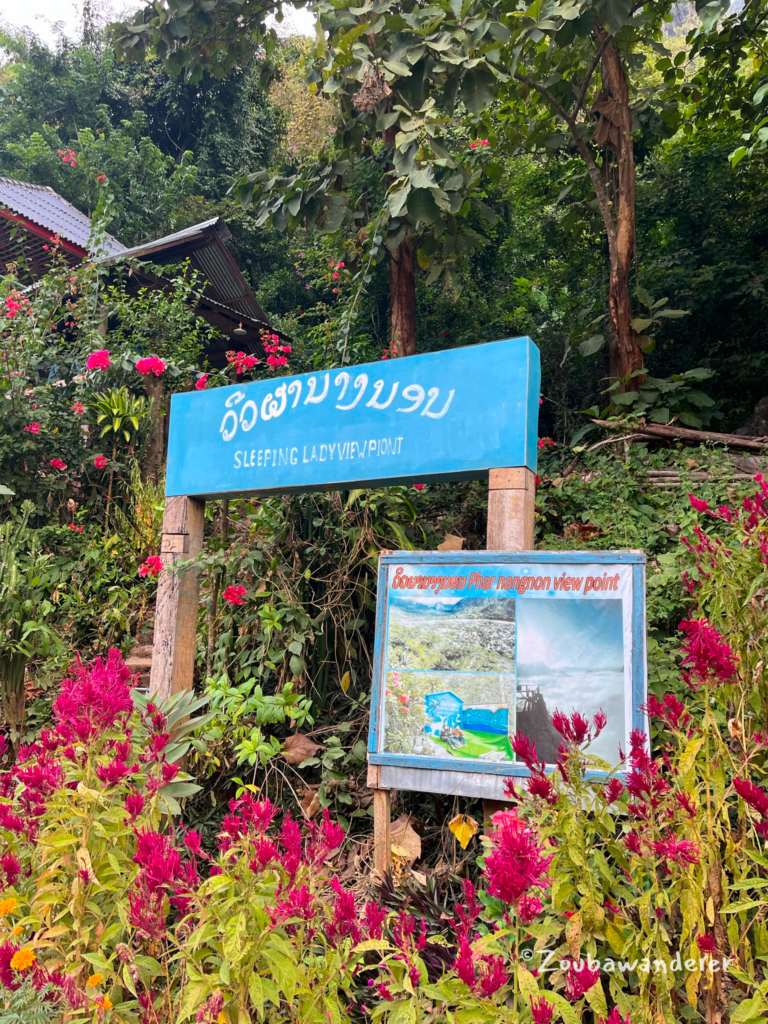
{"x":511,"y":522}
{"x":382,"y":823}
{"x":178,"y":594}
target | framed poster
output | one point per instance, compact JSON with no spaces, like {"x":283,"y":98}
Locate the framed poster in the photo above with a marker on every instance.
{"x":472,"y":647}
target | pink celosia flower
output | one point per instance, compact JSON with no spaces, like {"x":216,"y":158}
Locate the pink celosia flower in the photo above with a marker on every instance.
{"x":613,"y":791}
{"x":542,"y":1011}
{"x":100,"y":461}
{"x":516,"y":864}
{"x":134,"y":805}
{"x":58,"y":464}
{"x":580,"y":979}
{"x":234,"y":595}
{"x":670,"y":710}
{"x":698,"y":503}
{"x":707,"y":654}
{"x":344,"y":923}
{"x":266,"y":853}
{"x":525,"y":749}
{"x":114,"y":772}
{"x":296,"y":903}
{"x":375,"y":916}
{"x":150,"y":364}
{"x":99,"y":695}
{"x":11,"y":867}
{"x":99,"y":360}
{"x":153,"y":566}
{"x":614,"y":1017}
{"x":529,"y":907}
{"x":681,"y":851}
{"x":752,"y":795}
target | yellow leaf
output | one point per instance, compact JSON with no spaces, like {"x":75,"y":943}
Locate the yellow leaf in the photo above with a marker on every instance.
{"x":463,"y":827}
{"x":528,"y":984}
{"x":689,"y":755}
{"x":345,"y":682}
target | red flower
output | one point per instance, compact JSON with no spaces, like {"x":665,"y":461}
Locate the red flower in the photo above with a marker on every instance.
{"x":75,"y":529}
{"x":151,"y":364}
{"x":58,"y":464}
{"x":707,"y":652}
{"x":99,"y":360}
{"x":152,"y":567}
{"x":78,"y":408}
{"x":33,"y":428}
{"x":545,"y":442}
{"x":201,"y":382}
{"x":101,"y":177}
{"x":418,"y":487}
{"x":100,"y":461}
{"x":234,"y":595}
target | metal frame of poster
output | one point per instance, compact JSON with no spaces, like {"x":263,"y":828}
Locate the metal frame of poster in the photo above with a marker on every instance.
{"x":473,"y":646}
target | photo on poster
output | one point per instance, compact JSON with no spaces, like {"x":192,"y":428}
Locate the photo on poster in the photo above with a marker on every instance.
{"x":451,"y":634}
{"x":571,"y":658}
{"x":450,"y":714}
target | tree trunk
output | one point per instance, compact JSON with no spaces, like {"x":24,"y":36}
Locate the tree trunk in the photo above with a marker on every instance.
{"x":154,"y":459}
{"x":403,"y":301}
{"x":624,"y":354}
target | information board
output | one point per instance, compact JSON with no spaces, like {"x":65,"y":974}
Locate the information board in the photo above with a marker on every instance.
{"x":445,"y":415}
{"x":472,"y":647}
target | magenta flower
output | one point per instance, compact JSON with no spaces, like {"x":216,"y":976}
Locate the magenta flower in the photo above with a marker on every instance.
{"x":33,"y":428}
{"x":752,"y":795}
{"x":98,"y":696}
{"x":681,"y":851}
{"x":542,"y":1011}
{"x":234,"y":595}
{"x":78,"y":408}
{"x":151,"y":364}
{"x":579,"y":979}
{"x":707,"y":653}
{"x":698,"y":503}
{"x":529,"y":907}
{"x":201,"y":382}
{"x":516,"y":863}
{"x":99,"y":360}
{"x":614,"y":1017}
{"x":58,"y":464}
{"x":100,"y":461}
{"x":153,"y":566}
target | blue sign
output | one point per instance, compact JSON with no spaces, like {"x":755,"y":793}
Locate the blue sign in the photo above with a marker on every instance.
{"x":473,"y":648}
{"x":443,"y":416}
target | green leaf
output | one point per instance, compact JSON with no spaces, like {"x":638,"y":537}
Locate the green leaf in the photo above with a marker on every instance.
{"x":422,"y":206}
{"x":592,"y":345}
{"x":478,"y":89}
{"x":641,"y":323}
{"x":614,"y":13}
{"x":672,"y":314}
{"x":6,"y":491}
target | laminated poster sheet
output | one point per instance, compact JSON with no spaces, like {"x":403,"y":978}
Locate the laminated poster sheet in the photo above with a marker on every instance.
{"x":472,"y":648}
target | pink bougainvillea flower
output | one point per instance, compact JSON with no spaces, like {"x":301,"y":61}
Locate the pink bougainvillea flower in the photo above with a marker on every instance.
{"x":153,"y":566}
{"x":58,"y":464}
{"x":99,"y":360}
{"x":74,"y":528}
{"x":234,"y":595}
{"x":78,"y":408}
{"x":100,"y":461}
{"x":418,"y":487}
{"x":150,"y":364}
{"x":708,"y":655}
{"x":101,"y":177}
{"x":32,"y":428}
{"x":473,"y":145}
{"x":545,"y":442}
{"x":201,"y":382}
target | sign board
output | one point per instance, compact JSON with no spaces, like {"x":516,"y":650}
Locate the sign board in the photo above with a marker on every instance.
{"x":443,"y":416}
{"x":472,"y":647}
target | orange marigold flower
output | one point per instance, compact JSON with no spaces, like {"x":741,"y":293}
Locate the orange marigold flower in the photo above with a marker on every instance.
{"x":8,"y":906}
{"x":17,"y":930}
{"x":105,"y":1003}
{"x":22,"y":959}
{"x":94,"y":980}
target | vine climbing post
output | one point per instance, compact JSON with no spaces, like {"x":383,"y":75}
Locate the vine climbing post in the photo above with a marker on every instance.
{"x":178,"y":595}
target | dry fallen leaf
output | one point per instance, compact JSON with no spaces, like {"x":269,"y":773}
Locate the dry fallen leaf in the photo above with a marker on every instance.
{"x":463,"y":827}
{"x":405,"y":838}
{"x":298,"y":748}
{"x":311,"y":804}
{"x":451,"y":543}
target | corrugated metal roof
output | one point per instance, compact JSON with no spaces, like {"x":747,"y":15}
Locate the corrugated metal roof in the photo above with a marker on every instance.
{"x":46,"y":208}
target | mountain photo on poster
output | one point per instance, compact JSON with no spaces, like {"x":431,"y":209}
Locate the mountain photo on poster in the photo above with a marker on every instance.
{"x":571,"y":657}
{"x":451,"y":634}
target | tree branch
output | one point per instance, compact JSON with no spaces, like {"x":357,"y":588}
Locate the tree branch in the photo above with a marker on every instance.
{"x":588,"y":77}
{"x":589,"y":160}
